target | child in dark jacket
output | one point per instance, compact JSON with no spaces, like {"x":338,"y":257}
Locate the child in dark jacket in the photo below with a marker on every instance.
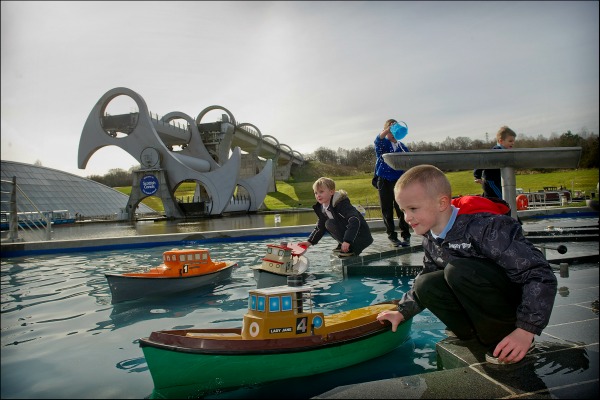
{"x":387,"y":177}
{"x":340,"y":218}
{"x":491,"y":179}
{"x":481,"y":277}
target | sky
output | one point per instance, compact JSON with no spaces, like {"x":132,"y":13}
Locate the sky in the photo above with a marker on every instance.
{"x":312,"y":74}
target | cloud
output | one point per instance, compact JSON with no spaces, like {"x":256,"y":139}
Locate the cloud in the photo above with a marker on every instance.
{"x":312,"y":74}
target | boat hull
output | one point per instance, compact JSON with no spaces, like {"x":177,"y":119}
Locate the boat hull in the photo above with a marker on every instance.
{"x":125,"y":288}
{"x":178,"y":374}
{"x":266,"y":279}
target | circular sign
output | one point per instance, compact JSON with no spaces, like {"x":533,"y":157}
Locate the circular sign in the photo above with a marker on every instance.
{"x":149,"y":185}
{"x":317,"y":321}
{"x":150,"y":157}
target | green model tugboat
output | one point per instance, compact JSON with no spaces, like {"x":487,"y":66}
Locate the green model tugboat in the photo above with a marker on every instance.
{"x":281,"y":337}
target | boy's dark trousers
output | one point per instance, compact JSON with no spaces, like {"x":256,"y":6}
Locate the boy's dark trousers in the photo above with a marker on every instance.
{"x":362,"y":241}
{"x":385,"y":189}
{"x":472,"y":297}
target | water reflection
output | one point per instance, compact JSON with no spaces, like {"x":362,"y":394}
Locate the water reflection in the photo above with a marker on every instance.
{"x":62,"y":337}
{"x":58,"y":320}
{"x":549,"y":365}
{"x":217,"y":303}
{"x":91,"y":230}
{"x":247,"y":221}
{"x":133,"y":365}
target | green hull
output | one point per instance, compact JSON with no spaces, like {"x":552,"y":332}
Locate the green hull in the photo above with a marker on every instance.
{"x":179,"y":375}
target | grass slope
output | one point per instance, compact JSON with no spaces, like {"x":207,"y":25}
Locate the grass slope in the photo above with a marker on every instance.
{"x":297,"y":191}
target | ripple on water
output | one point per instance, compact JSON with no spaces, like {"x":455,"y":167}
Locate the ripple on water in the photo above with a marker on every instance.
{"x":62,"y":336}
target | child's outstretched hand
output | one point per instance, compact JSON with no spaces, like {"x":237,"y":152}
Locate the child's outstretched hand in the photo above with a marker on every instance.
{"x":304,"y":244}
{"x":298,"y":249}
{"x":395,"y":318}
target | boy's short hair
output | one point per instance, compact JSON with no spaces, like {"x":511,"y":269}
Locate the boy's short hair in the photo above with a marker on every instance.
{"x":388,"y":123}
{"x":324,"y":182}
{"x":505,"y":132}
{"x":430,"y":177}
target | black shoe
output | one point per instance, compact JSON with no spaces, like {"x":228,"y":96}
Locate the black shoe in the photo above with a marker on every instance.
{"x":489,"y":356}
{"x":395,"y":242}
{"x":341,"y":254}
{"x":453,"y":335}
{"x":338,"y":249}
{"x":405,"y":242}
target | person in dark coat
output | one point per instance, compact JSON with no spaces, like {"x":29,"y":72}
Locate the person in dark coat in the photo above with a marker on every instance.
{"x":491,"y":179}
{"x":481,"y":276}
{"x":340,"y":218}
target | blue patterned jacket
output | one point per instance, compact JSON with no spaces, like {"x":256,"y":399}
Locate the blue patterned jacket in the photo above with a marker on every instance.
{"x":383,"y":146}
{"x":482,"y":230}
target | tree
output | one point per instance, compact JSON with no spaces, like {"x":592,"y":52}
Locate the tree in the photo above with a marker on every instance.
{"x":325,"y":155}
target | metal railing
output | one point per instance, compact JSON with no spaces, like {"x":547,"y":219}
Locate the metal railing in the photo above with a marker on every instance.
{"x":23,"y":217}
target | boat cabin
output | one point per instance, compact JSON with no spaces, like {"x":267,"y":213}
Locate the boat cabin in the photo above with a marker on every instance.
{"x":182,"y":263}
{"x":176,"y":258}
{"x":189,"y":261}
{"x":280,"y":312}
{"x":278,"y":259}
{"x":284,"y":312}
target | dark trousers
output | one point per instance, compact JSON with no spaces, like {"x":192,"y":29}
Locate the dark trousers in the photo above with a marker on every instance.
{"x":472,"y":297}
{"x":385,"y":189}
{"x":492,"y":189}
{"x":362,"y":241}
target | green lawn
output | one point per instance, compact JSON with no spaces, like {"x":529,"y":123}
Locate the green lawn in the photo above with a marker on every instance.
{"x":360,"y":191}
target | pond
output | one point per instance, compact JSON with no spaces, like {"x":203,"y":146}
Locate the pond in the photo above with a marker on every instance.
{"x":62,"y":337}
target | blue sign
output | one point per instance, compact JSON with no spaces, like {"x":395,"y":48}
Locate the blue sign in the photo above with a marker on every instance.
{"x":149,"y":185}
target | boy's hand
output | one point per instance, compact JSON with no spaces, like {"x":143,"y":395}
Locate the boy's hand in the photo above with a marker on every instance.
{"x":395,"y":318}
{"x":305,"y":244}
{"x":345,"y":247}
{"x":514,"y":346}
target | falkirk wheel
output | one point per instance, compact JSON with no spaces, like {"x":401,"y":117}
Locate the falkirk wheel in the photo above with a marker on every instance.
{"x":210,"y":154}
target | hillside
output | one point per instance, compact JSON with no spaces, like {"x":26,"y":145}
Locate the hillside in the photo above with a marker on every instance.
{"x":297,"y":192}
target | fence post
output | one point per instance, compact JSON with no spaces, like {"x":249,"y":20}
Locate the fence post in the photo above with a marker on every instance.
{"x":13,"y":224}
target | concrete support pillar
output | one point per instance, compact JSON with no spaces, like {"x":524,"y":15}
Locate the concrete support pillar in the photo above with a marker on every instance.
{"x":509,"y":189}
{"x":144,"y":185}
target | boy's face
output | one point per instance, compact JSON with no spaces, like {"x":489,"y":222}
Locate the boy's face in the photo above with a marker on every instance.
{"x":507,"y":143}
{"x":323,"y":194}
{"x":422,"y":211}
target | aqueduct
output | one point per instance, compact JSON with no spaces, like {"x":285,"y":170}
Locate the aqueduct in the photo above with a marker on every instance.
{"x":207,"y":153}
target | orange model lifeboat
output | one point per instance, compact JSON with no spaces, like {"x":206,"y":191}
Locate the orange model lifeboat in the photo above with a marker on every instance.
{"x":180,"y":271}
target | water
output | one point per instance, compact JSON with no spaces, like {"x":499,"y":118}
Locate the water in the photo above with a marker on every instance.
{"x":91,"y":230}
{"x":62,"y":337}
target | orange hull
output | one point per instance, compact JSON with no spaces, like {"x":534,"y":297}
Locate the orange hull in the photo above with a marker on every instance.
{"x":180,"y":271}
